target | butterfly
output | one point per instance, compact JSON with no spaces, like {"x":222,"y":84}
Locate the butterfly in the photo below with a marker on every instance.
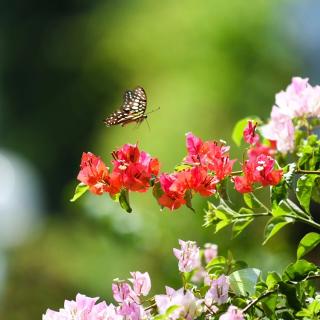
{"x":132,"y":110}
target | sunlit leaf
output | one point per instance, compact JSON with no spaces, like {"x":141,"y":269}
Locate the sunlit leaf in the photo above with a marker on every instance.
{"x":274,"y":225}
{"x":304,"y":189}
{"x":299,"y":270}
{"x":81,"y":189}
{"x":307,"y":243}
{"x":124,"y":200}
{"x":240,"y":225}
{"x":250,"y":200}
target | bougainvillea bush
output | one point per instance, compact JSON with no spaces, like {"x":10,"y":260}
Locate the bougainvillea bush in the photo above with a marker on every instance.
{"x":282,"y":156}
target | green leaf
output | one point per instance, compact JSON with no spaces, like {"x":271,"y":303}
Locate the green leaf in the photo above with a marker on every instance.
{"x":124,"y":200}
{"x":218,"y":216}
{"x":307,"y":243}
{"x":182,"y":167}
{"x":240,"y":225}
{"x":217,"y":265}
{"x":274,"y":225}
{"x":299,"y":270}
{"x":269,"y":305}
{"x":237,"y":133}
{"x":80,"y":190}
{"x":243,"y":282}
{"x":272,"y":280}
{"x":279,"y":193}
{"x":289,"y":290}
{"x":281,"y":209}
{"x":304,"y":189}
{"x":250,"y":200}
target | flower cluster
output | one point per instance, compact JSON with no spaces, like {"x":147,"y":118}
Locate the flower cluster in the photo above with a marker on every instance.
{"x":132,"y":170}
{"x":259,"y":168}
{"x":174,"y":304}
{"x":300,"y":100}
{"x":206,"y":164}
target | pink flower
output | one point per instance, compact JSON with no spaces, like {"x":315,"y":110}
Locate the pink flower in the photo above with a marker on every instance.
{"x":123,"y":292}
{"x":102,"y":311}
{"x":280,"y":129}
{"x":188,"y":256}
{"x":141,"y":283}
{"x":233,"y":313}
{"x":249,"y":134}
{"x":293,"y":101}
{"x":82,"y":308}
{"x":131,"y":311}
{"x":218,"y":292}
{"x":210,"y":252}
{"x":313,"y":101}
{"x":188,"y":306}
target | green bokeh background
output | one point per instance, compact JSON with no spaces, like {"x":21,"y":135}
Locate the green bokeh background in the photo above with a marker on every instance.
{"x":206,"y":64}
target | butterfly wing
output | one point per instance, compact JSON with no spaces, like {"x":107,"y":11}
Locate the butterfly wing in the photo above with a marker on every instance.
{"x":132,"y":110}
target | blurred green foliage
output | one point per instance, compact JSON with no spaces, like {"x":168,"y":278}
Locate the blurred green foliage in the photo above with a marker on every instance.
{"x":205,"y":64}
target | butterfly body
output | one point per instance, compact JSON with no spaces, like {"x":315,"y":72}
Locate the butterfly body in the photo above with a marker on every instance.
{"x":132,"y":110}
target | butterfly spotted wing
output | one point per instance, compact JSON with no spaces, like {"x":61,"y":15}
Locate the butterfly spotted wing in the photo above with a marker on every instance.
{"x":132,"y":110}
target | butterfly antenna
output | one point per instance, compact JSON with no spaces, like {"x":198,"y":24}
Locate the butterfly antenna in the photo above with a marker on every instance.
{"x":153,"y":111}
{"x":148,"y":124}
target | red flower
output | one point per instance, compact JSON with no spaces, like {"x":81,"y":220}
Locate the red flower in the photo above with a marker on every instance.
{"x":249,"y":134}
{"x":260,"y":148}
{"x":200,"y":181}
{"x":242,"y":184}
{"x":264,"y":171}
{"x":135,"y":168}
{"x":258,"y":169}
{"x":93,"y":173}
{"x":209,"y":155}
{"x":174,"y":189}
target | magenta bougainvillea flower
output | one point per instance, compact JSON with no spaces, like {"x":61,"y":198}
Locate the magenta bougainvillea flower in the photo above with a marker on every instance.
{"x":174,"y":191}
{"x":135,"y":167}
{"x":93,"y":173}
{"x":249,"y":134}
{"x":209,"y":155}
{"x":258,"y":169}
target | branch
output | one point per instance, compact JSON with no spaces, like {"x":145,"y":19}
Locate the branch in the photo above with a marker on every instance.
{"x":255,"y":301}
{"x":307,"y":171}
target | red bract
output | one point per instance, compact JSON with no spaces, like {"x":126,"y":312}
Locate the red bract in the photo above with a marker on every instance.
{"x":174,"y":189}
{"x":259,"y":149}
{"x":242,"y":184}
{"x":199,"y":181}
{"x":249,"y":134}
{"x":93,"y":173}
{"x":134,"y":167}
{"x":258,"y":169}
{"x":209,"y":155}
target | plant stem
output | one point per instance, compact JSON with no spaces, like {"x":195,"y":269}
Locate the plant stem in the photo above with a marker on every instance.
{"x":255,"y":301}
{"x":307,"y":171}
